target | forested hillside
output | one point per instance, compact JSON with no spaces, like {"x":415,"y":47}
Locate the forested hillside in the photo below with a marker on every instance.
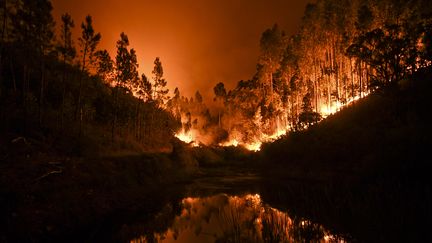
{"x":63,"y":87}
{"x":64,"y":91}
{"x":343,"y":51}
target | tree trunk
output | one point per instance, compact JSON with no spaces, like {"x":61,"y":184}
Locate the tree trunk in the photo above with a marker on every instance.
{"x":137,"y":119}
{"x":316,"y":85}
{"x":3,"y":41}
{"x":79,"y":108}
{"x":114,"y":120}
{"x":13,"y":75}
{"x":352,"y":80}
{"x":63,"y":94}
{"x":41,"y":97}
{"x":360,"y":78}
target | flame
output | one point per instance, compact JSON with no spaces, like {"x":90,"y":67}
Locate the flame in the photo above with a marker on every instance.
{"x":334,"y":107}
{"x":194,"y":138}
{"x":256,"y":145}
{"x":187,"y":137}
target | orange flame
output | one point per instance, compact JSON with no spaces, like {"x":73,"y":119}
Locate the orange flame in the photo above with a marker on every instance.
{"x":193,"y":136}
{"x":187,"y":137}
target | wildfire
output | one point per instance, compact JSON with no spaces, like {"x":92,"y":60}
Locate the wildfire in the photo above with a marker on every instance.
{"x":193,"y":137}
{"x":187,"y":137}
{"x":256,"y":145}
{"x":327,"y":110}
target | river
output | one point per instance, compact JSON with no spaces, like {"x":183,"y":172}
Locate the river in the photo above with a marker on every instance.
{"x":223,"y":207}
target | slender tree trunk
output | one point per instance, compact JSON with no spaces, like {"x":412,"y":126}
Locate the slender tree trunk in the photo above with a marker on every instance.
{"x":271,"y":86}
{"x":3,"y":41}
{"x":42,"y":96}
{"x":63,"y":94}
{"x":328,"y":92}
{"x":352,"y":80}
{"x":13,"y":75}
{"x":219,"y":119}
{"x":360,"y":78}
{"x":316,"y":85}
{"x":137,"y":119}
{"x":114,"y":120}
{"x":343,"y":71}
{"x":26,"y":76}
{"x":79,"y":104}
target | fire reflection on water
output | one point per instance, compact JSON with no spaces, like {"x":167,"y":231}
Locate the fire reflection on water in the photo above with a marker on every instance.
{"x":223,"y":218}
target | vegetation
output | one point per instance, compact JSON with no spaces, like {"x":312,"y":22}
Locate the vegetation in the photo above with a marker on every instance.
{"x":364,"y":170}
{"x":385,"y":133}
{"x":58,"y":102}
{"x":77,"y":103}
{"x":343,"y":51}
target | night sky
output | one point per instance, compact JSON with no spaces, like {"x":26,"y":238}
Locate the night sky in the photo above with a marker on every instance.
{"x":200,"y":42}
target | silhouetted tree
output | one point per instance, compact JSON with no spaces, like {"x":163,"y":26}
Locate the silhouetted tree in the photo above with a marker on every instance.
{"x":126,"y":73}
{"x":88,"y":43}
{"x":160,"y":93}
{"x":105,"y":66}
{"x":198,"y":97}
{"x":220,"y":97}
{"x":68,"y":52}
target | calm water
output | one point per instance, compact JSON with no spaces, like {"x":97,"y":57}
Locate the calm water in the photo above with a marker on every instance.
{"x":246,"y":218}
{"x":225,"y":208}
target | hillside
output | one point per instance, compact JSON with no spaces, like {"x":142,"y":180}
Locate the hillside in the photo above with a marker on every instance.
{"x":363,"y":171}
{"x":387,"y":132}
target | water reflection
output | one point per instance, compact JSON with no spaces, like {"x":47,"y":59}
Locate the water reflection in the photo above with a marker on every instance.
{"x":223,"y":218}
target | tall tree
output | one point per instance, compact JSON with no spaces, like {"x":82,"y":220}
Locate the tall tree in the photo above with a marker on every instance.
{"x":147,"y":88}
{"x":160,"y":93}
{"x":88,"y":42}
{"x":220,"y":97}
{"x":126,"y":63}
{"x":126,"y":73}
{"x":33,"y":31}
{"x":198,"y":97}
{"x":68,"y":52}
{"x":105,"y":66}
{"x":272,"y":45}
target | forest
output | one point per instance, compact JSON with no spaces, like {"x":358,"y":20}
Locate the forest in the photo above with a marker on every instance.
{"x":64,"y":90}
{"x":339,"y":113}
{"x":59,"y":87}
{"x":343,"y":51}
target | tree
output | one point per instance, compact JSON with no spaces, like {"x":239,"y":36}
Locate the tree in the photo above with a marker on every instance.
{"x":272,"y":45}
{"x":126,"y":73}
{"x":68,"y":52}
{"x":159,"y":83}
{"x":198,"y":97}
{"x":147,"y":88}
{"x":33,"y":31}
{"x":105,"y":66}
{"x":88,"y":43}
{"x":383,"y":51}
{"x":220,"y":97}
{"x":308,"y":116}
{"x":126,"y":63}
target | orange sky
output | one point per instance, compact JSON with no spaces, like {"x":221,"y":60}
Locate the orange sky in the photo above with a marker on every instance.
{"x":200,"y":42}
